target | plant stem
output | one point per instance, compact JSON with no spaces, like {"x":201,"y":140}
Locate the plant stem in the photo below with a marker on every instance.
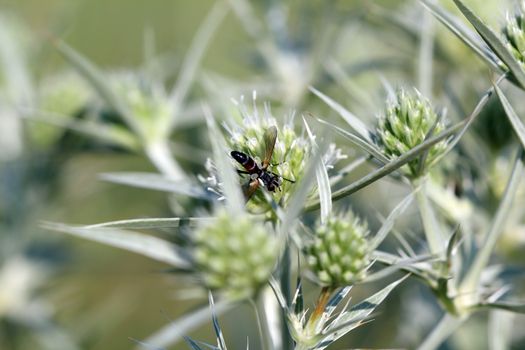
{"x":318,"y":318}
{"x":264,"y":340}
{"x":160,"y":155}
{"x":434,"y":237}
{"x":446,"y":326}
{"x":287,"y":341}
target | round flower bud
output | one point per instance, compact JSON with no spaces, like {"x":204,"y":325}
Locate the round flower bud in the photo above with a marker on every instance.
{"x":338,"y":254}
{"x":235,"y":255}
{"x":407,"y":122}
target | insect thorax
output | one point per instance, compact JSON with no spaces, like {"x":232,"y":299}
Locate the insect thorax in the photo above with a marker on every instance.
{"x":271,"y":181}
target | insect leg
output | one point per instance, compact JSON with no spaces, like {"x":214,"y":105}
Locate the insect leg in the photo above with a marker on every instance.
{"x":292,"y":181}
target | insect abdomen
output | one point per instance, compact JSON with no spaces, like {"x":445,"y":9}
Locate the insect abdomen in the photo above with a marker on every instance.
{"x":246,"y":161}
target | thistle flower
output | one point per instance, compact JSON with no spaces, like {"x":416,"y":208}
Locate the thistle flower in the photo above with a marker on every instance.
{"x":514,"y":34}
{"x":235,"y":255}
{"x":148,"y":102}
{"x":338,"y":255}
{"x":407,"y":122}
{"x":290,"y":155}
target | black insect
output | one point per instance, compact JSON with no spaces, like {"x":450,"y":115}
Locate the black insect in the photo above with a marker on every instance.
{"x":259,"y":174}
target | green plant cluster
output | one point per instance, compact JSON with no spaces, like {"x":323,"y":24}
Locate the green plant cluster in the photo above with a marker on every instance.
{"x":436,"y":200}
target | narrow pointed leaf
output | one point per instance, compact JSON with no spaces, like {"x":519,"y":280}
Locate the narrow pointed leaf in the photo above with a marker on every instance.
{"x":366,"y":146}
{"x":152,"y":247}
{"x":192,"y":343}
{"x":367,"y":306}
{"x":194,"y":56}
{"x":158,"y":182}
{"x":174,"y":332}
{"x":493,"y":40}
{"x":218,"y":332}
{"x":99,"y":82}
{"x":323,"y":182}
{"x":152,"y":223}
{"x":390,"y":220}
{"x":146,"y":346}
{"x":111,"y":134}
{"x":229,"y":178}
{"x":278,"y":293}
{"x":517,"y":123}
{"x":463,"y":33}
{"x":353,"y":121}
{"x":400,"y":265}
{"x":296,"y":204}
{"x":351,"y":319}
{"x":334,"y":301}
{"x":512,"y":307}
{"x":298,"y":299}
{"x":454,"y":238}
{"x":446,"y":326}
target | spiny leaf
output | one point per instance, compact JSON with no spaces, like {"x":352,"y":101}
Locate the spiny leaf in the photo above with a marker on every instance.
{"x":349,"y":320}
{"x":152,"y":247}
{"x":302,"y":190}
{"x":389,"y":222}
{"x":323,"y":182}
{"x":218,"y":332}
{"x":194,"y":56}
{"x":369,"y":148}
{"x":153,"y":223}
{"x":517,"y":123}
{"x":111,"y":134}
{"x":508,"y":306}
{"x":99,"y":82}
{"x":173,"y":332}
{"x":354,"y":122}
{"x":228,"y":177}
{"x":158,"y":182}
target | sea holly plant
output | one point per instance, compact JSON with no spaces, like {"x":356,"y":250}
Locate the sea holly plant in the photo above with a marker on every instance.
{"x":459,"y":275}
{"x":235,"y":253}
{"x":241,"y":246}
{"x":145,"y":114}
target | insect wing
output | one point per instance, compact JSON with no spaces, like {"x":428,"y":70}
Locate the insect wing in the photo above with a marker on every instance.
{"x":250,"y":188}
{"x":270,"y":136}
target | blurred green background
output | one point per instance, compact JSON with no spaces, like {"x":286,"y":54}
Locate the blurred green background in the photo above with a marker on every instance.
{"x":99,"y":297}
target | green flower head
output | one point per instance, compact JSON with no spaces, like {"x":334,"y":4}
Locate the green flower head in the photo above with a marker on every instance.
{"x":62,"y":96}
{"x":290,"y":154}
{"x":407,"y":122}
{"x":338,"y":254}
{"x":514,"y":34}
{"x":235,"y":255}
{"x":148,"y":103}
